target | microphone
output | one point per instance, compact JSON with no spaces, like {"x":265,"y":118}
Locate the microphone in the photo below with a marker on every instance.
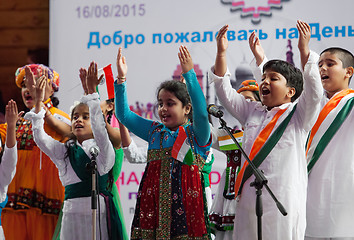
{"x":215,"y":111}
{"x":94,"y":151}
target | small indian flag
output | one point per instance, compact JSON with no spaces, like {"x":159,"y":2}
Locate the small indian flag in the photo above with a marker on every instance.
{"x":181,"y":149}
{"x":106,"y":88}
{"x":226,"y":143}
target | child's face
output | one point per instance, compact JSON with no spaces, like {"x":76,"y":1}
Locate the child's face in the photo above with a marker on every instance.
{"x":26,"y":97}
{"x":171,"y":110}
{"x":248,"y":95}
{"x":333,"y":75}
{"x":81,"y":124}
{"x":274,"y":90}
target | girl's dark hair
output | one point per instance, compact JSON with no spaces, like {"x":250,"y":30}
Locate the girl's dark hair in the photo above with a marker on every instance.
{"x":73,"y":110}
{"x":55,"y":101}
{"x":292,"y":75}
{"x":69,"y":143}
{"x":179,"y":89}
{"x":109,"y":118}
{"x":2,"y":149}
{"x":110,"y":113}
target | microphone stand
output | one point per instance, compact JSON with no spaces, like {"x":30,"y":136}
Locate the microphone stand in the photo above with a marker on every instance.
{"x":93,"y":167}
{"x":258,"y":183}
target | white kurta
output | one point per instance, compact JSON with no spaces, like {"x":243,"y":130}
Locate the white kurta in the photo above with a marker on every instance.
{"x":330,"y":199}
{"x":285,"y":166}
{"x":77,"y":222}
{"x":7,"y":172}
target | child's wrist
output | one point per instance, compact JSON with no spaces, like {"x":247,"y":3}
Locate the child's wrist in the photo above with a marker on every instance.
{"x":47,"y":113}
{"x":91,"y":89}
{"x":304,"y":48}
{"x":259,"y":60}
{"x":305,"y":52}
{"x":221,"y":54}
{"x":38,"y":103}
{"x":11,"y":125}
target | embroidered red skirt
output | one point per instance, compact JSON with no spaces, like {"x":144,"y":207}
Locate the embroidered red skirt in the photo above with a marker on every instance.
{"x":171,"y":203}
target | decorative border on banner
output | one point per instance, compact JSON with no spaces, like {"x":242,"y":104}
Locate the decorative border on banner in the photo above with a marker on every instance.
{"x":249,"y":8}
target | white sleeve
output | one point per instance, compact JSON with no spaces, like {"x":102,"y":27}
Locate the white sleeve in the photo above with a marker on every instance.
{"x":258,"y":70}
{"x":57,"y":116}
{"x":310,"y":99}
{"x":135,"y":154}
{"x":234,"y":102}
{"x":7,"y":169}
{"x":54,"y":149}
{"x":106,"y":157}
{"x":62,"y":118}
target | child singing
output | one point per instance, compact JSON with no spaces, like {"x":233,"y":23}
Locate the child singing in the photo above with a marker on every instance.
{"x":88,"y":130}
{"x":171,"y":200}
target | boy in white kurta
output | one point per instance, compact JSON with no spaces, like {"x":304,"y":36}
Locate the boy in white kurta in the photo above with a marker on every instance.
{"x":285,"y":166}
{"x":9,"y":155}
{"x":330,"y":207}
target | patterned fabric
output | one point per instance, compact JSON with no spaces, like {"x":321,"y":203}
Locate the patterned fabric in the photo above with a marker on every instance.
{"x":27,"y":195}
{"x":249,"y":85}
{"x":24,"y":135}
{"x":38,"y":70}
{"x":27,"y":198}
{"x":222,"y":218}
{"x":171,"y":202}
{"x":35,"y":194}
{"x":221,"y":222}
{"x":233,"y":165}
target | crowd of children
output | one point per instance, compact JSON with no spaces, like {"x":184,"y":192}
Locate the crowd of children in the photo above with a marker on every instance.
{"x":295,"y":124}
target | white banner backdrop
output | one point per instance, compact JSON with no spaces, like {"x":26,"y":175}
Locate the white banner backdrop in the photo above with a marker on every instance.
{"x":150,"y":33}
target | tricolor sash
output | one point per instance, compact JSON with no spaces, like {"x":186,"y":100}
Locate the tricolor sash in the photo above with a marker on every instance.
{"x":262,"y":146}
{"x":316,"y":145}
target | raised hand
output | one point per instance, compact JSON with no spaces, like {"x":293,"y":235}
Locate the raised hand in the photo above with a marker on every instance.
{"x":185,"y":59}
{"x":83,"y":78}
{"x":304,"y":34}
{"x":304,"y":39}
{"x":41,"y":89}
{"x":256,"y":48}
{"x":11,"y":114}
{"x":11,"y":117}
{"x":122,"y":66}
{"x":221,"y":40}
{"x":30,"y":82}
{"x":222,"y":43}
{"x":48,"y":86}
{"x":92,"y":79}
